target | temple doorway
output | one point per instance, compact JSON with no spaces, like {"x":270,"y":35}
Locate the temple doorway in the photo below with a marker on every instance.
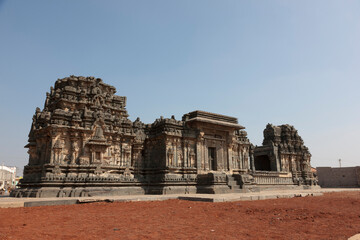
{"x":262,"y":163}
{"x":212,"y":158}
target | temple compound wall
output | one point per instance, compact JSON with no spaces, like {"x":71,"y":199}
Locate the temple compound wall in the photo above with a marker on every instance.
{"x":341,"y":177}
{"x":83,"y":144}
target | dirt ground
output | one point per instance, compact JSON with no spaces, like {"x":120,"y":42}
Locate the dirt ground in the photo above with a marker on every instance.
{"x":332,"y":216}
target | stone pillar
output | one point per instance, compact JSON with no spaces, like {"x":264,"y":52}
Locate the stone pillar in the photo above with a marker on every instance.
{"x":230,"y":161}
{"x":92,"y":156}
{"x":167,"y":155}
{"x":252,"y":162}
{"x":186,"y":154}
{"x":199,"y":152}
{"x":48,"y":150}
{"x":252,"y":159}
{"x":206,"y":156}
{"x":277,"y":160}
{"x":52,"y":152}
{"x":247,"y":160}
{"x":177,"y":153}
{"x":278,"y":169}
{"x":241,"y":164}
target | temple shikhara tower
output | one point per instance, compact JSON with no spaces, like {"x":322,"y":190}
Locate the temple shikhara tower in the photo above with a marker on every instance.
{"x":82,"y":143}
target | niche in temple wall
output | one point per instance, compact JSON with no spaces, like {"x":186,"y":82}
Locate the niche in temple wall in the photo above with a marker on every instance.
{"x":292,"y":163}
{"x":285,"y":163}
{"x":107,"y":159}
{"x":75,"y":148}
{"x":170,"y":155}
{"x":188,"y":149}
{"x":116,"y":154}
{"x":66,"y":151}
{"x":125,"y":154}
{"x":179,"y":153}
{"x":244,"y":156}
{"x":174,"y":152}
{"x":192,"y":156}
{"x":97,"y":144}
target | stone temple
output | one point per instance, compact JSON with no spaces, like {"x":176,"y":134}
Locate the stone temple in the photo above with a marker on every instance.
{"x":83,"y":144}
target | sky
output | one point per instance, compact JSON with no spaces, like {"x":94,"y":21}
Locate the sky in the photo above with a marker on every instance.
{"x":279,"y":62}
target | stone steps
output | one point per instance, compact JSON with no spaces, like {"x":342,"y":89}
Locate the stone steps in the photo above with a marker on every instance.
{"x":234,"y":185}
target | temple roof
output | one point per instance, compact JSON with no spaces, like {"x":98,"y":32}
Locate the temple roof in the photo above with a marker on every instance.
{"x":213,"y":118}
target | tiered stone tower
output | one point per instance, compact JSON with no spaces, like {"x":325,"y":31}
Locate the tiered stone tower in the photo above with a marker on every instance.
{"x":284,"y":151}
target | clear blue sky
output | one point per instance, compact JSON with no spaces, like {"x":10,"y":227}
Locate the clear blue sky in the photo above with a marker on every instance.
{"x":295,"y":62}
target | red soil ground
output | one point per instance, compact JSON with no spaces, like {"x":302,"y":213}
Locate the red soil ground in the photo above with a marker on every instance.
{"x":332,"y":216}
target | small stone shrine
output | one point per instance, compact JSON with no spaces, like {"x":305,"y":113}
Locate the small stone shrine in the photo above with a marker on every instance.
{"x":83,"y":144}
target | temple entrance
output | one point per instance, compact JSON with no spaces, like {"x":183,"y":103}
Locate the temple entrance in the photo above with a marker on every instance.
{"x":212,"y":158}
{"x":262,"y":163}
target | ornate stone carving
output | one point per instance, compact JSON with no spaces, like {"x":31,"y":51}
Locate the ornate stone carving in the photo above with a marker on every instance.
{"x":83,"y":135}
{"x":286,"y":151}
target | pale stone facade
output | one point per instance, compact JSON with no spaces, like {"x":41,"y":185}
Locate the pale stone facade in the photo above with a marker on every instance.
{"x":7,"y":177}
{"x":83,"y":144}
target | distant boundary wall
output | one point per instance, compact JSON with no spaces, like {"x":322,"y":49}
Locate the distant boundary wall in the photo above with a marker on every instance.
{"x":338,"y":177}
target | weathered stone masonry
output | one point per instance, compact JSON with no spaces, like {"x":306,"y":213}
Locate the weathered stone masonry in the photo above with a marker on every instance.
{"x":83,"y":144}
